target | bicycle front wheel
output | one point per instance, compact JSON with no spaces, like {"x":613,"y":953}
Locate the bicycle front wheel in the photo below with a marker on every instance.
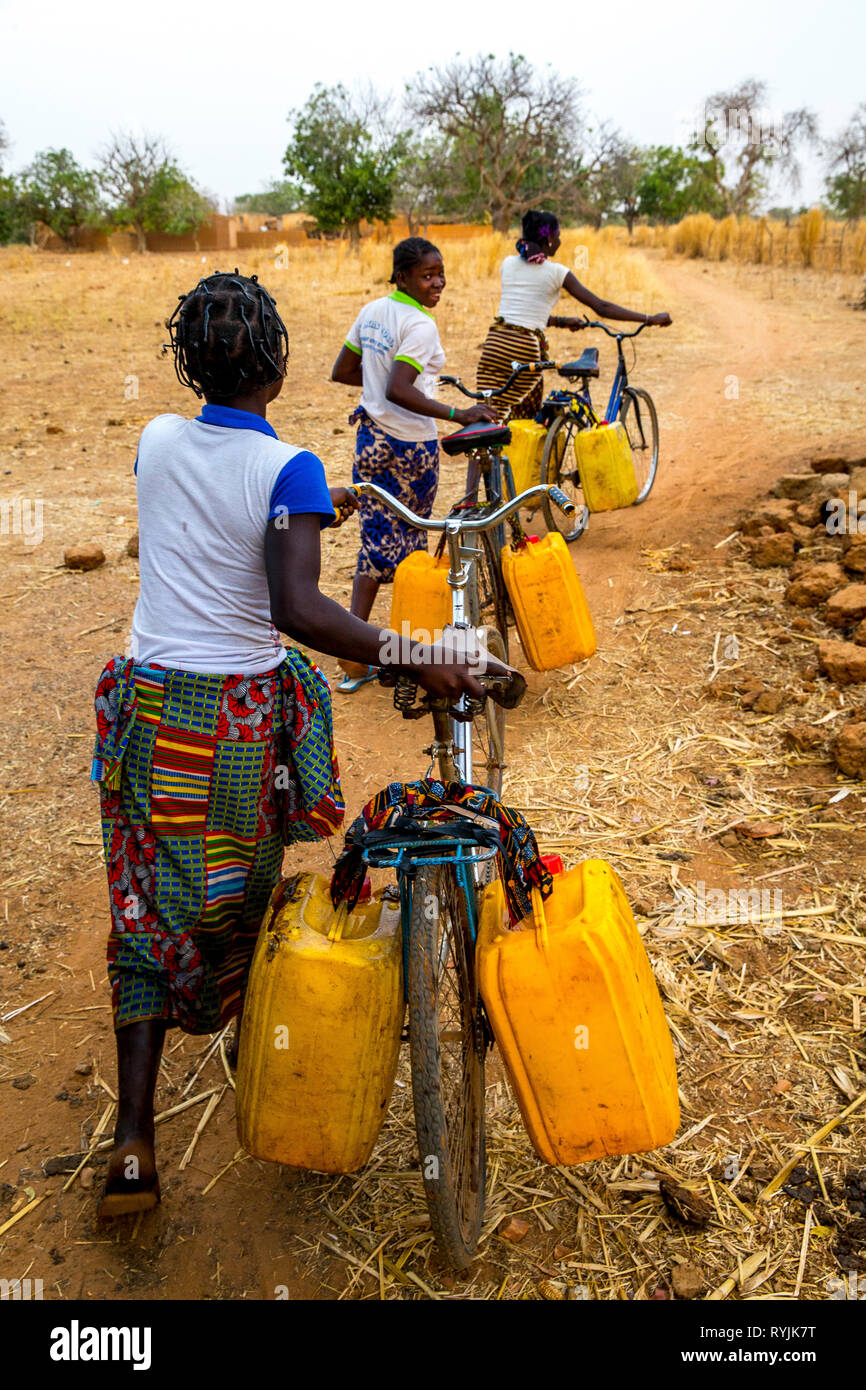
{"x":559,"y":467}
{"x":488,"y":728}
{"x":446,"y":1041}
{"x":638,"y":416}
{"x":486,"y":598}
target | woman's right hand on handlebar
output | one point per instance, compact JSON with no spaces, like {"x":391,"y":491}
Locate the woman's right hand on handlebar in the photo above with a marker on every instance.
{"x":474,"y":413}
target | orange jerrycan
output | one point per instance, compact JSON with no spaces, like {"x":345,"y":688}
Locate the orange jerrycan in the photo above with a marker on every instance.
{"x":578,"y":1019}
{"x":321,"y":1029}
{"x":549,"y":604}
{"x":524,"y":453}
{"x":421,"y":597}
{"x":604,"y":462}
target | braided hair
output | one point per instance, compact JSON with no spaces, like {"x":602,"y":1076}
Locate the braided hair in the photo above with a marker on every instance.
{"x":410,"y":252}
{"x":538,"y":227}
{"x":227,"y":336}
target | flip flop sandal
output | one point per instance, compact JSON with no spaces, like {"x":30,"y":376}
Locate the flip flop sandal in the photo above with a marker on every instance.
{"x":349,"y":684}
{"x":124,"y":1196}
{"x":116,"y":1202}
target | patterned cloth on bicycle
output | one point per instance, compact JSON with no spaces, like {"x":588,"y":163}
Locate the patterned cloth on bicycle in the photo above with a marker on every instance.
{"x":203,"y":779}
{"x":409,"y":470}
{"x":399,"y":807}
{"x":507,"y":343}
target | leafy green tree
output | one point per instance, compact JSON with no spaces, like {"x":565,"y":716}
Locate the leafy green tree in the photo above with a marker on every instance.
{"x":55,"y":190}
{"x":511,"y":130}
{"x":675,"y":182}
{"x":343,"y":160}
{"x":846,"y":160}
{"x":281,"y":195}
{"x":148,"y":190}
{"x":13,"y":215}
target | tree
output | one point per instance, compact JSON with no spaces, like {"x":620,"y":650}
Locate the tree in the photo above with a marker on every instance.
{"x":425,"y":183}
{"x":735,"y":121}
{"x":13,"y":215}
{"x":846,"y":163}
{"x":675,"y":182}
{"x":343,"y":159}
{"x":150,"y":192}
{"x":606,"y":176}
{"x":513,"y":131}
{"x":281,"y":195}
{"x":55,"y":190}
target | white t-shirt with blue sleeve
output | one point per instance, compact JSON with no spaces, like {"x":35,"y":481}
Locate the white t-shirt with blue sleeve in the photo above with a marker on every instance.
{"x":206,"y":491}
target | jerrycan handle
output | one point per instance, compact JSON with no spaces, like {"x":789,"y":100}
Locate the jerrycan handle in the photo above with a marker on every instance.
{"x":539,"y":920}
{"x":338,"y":925}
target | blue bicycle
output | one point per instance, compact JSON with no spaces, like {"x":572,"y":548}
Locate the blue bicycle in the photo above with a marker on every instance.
{"x":568,"y":411}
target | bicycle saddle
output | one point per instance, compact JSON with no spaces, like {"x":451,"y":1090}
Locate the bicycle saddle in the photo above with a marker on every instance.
{"x":585,"y":365}
{"x":481,"y":435}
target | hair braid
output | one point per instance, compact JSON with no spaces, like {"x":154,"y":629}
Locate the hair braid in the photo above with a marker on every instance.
{"x":226,"y":336}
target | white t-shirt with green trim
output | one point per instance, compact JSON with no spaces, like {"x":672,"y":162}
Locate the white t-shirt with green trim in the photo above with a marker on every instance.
{"x":397,"y":329}
{"x":529,"y":291}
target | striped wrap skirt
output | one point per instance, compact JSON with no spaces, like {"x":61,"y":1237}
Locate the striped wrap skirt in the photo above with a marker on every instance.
{"x":506,"y":343}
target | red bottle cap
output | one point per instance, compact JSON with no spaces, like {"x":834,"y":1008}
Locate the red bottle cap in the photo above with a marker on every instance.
{"x":553,"y":863}
{"x":533,"y":540}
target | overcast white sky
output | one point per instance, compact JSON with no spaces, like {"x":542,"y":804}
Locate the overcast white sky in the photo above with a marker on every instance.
{"x":218,"y":79}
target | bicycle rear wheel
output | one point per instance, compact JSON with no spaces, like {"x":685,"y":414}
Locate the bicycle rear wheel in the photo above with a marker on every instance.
{"x":638,"y":416}
{"x":559,"y":467}
{"x":446,"y":1041}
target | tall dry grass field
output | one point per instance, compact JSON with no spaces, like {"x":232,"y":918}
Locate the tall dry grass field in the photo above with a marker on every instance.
{"x":810,"y":241}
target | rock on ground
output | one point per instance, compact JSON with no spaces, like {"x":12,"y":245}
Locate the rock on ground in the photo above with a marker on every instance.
{"x":843,"y":662}
{"x":814,"y":584}
{"x":774,"y":549}
{"x":849,"y":748}
{"x":83,"y":557}
{"x":846,"y":606}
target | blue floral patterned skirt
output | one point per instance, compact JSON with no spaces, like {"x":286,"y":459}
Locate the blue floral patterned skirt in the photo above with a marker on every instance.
{"x":409,"y":470}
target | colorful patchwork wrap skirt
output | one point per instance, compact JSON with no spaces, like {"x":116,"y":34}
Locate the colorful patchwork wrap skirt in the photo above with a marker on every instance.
{"x":203,"y":780}
{"x":409,"y":470}
{"x":506,"y":343}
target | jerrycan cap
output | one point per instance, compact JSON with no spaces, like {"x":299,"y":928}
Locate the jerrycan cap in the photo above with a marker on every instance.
{"x":534,"y":540}
{"x":553,"y":863}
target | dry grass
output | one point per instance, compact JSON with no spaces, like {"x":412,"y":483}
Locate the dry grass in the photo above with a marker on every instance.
{"x":810,"y":240}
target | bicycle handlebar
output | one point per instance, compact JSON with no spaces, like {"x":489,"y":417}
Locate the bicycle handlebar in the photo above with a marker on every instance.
{"x":484,"y":523}
{"x":516,"y":369}
{"x":611,"y":333}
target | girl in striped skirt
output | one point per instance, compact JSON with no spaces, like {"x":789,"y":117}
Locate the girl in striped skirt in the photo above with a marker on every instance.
{"x":531,"y":284}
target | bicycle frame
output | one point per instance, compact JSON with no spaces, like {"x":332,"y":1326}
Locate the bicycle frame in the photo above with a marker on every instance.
{"x":455,"y":735}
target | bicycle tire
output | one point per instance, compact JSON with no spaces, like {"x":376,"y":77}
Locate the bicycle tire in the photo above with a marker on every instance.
{"x":488,"y":728}
{"x":486,"y":596}
{"x":645,"y":470}
{"x":558,"y":454}
{"x":446,"y":1043}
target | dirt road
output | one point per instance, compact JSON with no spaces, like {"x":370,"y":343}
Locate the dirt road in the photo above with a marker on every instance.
{"x":758,"y":374}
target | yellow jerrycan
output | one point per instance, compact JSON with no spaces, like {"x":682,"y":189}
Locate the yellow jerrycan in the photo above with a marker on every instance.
{"x":421,"y":597}
{"x":321,"y":1029}
{"x":549,"y":604}
{"x":524,"y":453}
{"x":578,"y":1019}
{"x":604,"y":462}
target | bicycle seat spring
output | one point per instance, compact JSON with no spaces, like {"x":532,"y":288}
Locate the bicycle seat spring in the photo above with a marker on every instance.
{"x":405,"y":692}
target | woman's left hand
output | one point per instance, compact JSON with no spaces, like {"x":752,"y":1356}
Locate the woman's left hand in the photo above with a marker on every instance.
{"x":345,"y":503}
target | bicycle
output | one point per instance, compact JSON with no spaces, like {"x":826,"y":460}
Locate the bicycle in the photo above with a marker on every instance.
{"x":571,"y":411}
{"x":484,"y":443}
{"x":440,"y":870}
